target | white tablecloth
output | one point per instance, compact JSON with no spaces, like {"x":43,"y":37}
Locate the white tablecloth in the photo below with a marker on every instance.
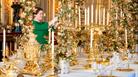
{"x":79,"y":72}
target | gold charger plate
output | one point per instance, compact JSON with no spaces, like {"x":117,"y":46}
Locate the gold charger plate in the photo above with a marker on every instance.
{"x":125,"y":69}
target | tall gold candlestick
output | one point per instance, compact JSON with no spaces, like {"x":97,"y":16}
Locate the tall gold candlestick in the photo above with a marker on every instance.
{"x":126,"y":37}
{"x":53,"y":39}
{"x":91,"y":39}
{"x":52,"y":74}
{"x":52,"y":45}
{"x":3,"y":21}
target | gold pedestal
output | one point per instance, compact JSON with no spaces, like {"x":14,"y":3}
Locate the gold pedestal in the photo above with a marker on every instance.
{"x":90,"y":60}
{"x":53,"y":72}
{"x":52,"y":65}
{"x":52,"y":75}
{"x":74,"y":62}
{"x":32,"y":68}
{"x":74,"y":54}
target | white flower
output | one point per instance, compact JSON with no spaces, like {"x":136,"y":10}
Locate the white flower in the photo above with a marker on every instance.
{"x":59,"y":33}
{"x":23,"y":15}
{"x":30,"y":17}
{"x":21,"y":21}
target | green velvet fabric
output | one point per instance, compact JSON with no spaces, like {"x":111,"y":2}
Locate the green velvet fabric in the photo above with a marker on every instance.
{"x":41,"y":30}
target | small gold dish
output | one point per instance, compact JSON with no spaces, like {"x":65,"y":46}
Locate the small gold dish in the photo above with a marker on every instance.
{"x":99,"y":62}
{"x":125,"y":58}
{"x":87,"y":66}
{"x":125,"y":70}
{"x":134,"y":52}
{"x":135,"y":62}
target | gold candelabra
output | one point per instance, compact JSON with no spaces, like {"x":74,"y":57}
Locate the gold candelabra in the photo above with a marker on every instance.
{"x":93,"y":53}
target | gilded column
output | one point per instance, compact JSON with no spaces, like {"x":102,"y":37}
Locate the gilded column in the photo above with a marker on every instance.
{"x":10,"y":13}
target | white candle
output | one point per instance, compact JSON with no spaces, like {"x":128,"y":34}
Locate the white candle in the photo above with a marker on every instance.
{"x":103,"y":16}
{"x":69,"y":17}
{"x":92,"y":13}
{"x":91,"y":37}
{"x":85,"y":17}
{"x":96,"y":16}
{"x":88,"y":16}
{"x":52,"y":42}
{"x":99,"y":15}
{"x":49,"y":35}
{"x":122,"y":13}
{"x":107,"y":18}
{"x":52,"y":52}
{"x":79,"y":16}
{"x":4,"y":42}
{"x":76,"y":21}
{"x":15,"y":46}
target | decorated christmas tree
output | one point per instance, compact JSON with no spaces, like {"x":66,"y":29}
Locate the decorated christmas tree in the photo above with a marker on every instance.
{"x":119,"y":35}
{"x":67,"y":29}
{"x":26,"y":60}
